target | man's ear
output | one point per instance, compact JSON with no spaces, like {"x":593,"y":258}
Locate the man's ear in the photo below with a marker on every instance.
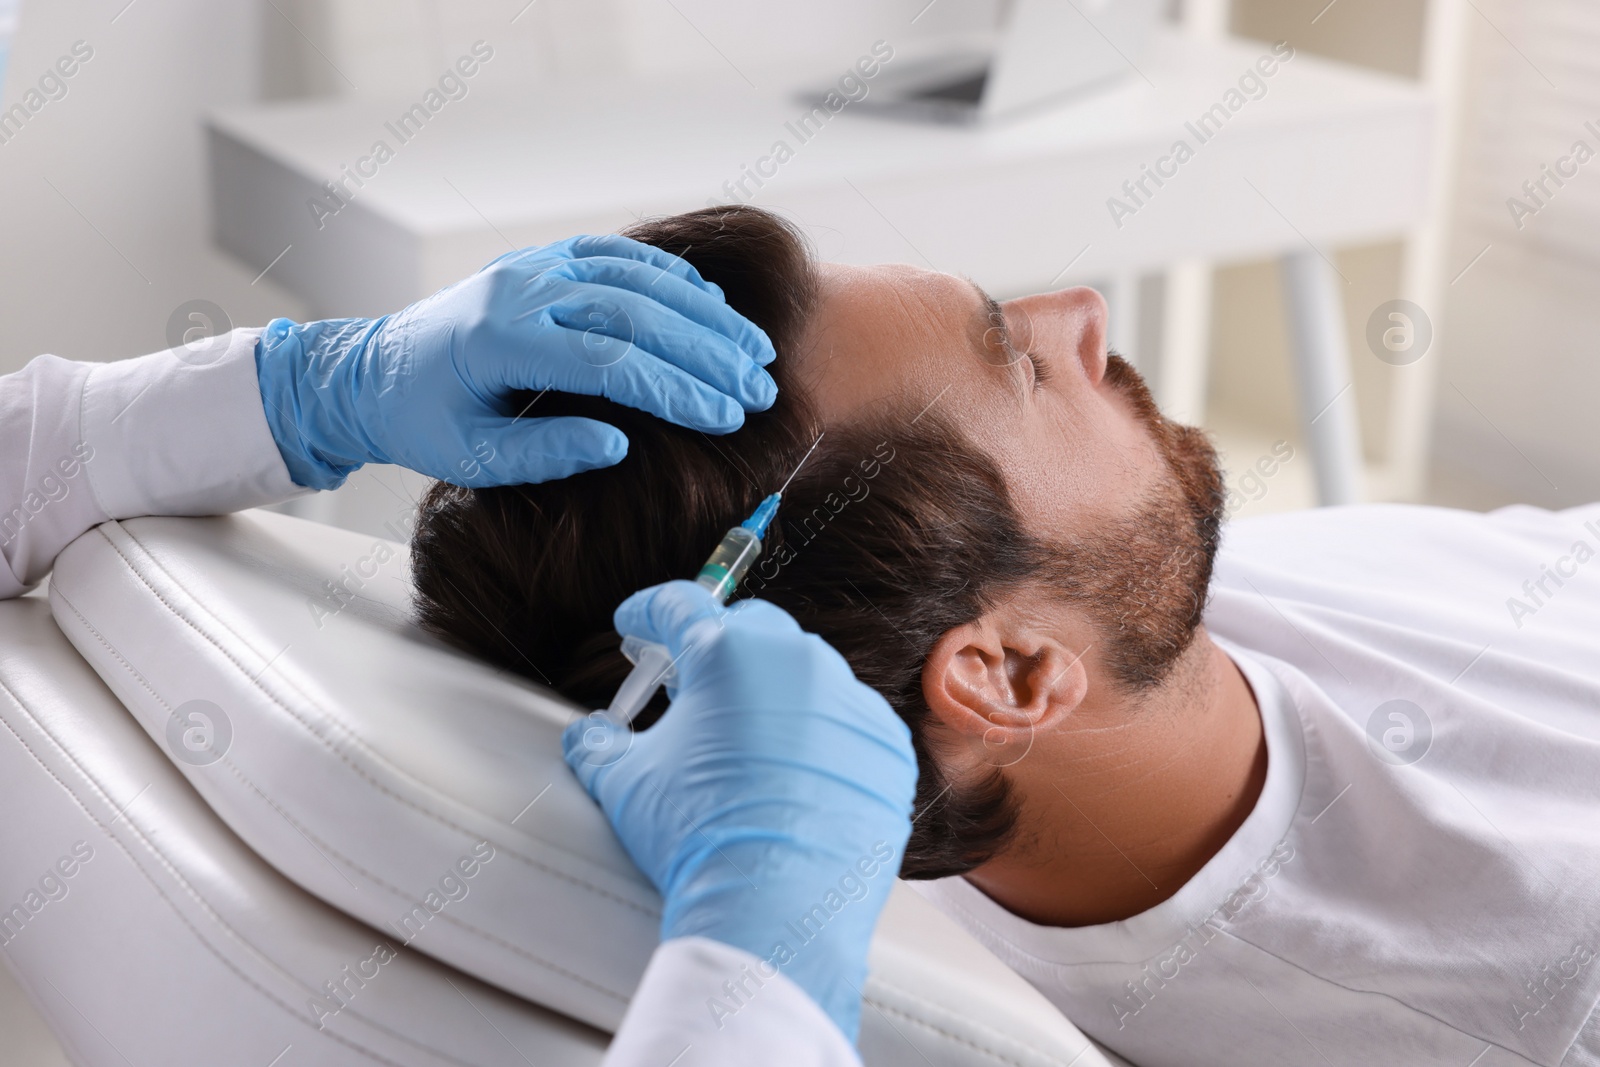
{"x":993,"y":683}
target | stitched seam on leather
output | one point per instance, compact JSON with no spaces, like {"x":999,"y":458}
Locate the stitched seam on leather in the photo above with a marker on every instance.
{"x":557,"y":968}
{"x":178,"y":877}
{"x":949,"y":1035}
{"x":353,"y":739}
{"x":456,"y":920}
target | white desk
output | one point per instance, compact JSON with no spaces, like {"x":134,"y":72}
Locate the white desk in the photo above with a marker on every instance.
{"x":1328,"y":156}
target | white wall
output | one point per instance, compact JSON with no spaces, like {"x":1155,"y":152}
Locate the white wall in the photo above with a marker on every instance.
{"x":104,"y":225}
{"x":1518,"y":394}
{"x":1519,"y":397}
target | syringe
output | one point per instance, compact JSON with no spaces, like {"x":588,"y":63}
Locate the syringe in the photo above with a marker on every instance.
{"x":722,"y":573}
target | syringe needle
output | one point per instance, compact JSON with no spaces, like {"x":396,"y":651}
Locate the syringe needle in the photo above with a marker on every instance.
{"x":802,"y":462}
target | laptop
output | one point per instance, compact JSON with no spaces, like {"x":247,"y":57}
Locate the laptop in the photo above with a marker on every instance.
{"x":1042,"y":52}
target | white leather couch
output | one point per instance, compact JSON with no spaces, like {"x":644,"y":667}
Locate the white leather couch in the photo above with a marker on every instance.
{"x":252,"y":812}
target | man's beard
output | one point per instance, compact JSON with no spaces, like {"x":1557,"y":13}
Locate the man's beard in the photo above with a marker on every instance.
{"x":1143,"y":580}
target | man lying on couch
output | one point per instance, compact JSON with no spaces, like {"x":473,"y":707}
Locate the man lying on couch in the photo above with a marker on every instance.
{"x":1328,"y":792}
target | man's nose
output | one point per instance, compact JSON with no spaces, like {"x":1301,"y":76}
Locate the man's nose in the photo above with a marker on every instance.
{"x":1063,"y":324}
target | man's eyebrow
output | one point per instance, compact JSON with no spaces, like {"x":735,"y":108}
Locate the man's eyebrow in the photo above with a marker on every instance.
{"x":988,"y":316}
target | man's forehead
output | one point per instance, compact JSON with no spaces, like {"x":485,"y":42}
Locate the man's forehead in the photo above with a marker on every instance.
{"x":878,"y":333}
{"x":849,"y":291}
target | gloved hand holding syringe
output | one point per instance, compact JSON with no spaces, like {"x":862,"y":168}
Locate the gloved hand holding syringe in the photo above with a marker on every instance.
{"x":652,"y":663}
{"x":723,"y":571}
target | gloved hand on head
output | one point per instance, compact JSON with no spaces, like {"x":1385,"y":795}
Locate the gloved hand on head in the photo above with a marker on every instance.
{"x":771,"y":804}
{"x":429,"y":387}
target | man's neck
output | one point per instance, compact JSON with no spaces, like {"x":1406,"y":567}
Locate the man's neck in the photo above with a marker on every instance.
{"x":1121,"y":810}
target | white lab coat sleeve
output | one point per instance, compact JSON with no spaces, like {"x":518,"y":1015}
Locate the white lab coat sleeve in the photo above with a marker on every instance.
{"x":180,"y":432}
{"x":702,"y":1003}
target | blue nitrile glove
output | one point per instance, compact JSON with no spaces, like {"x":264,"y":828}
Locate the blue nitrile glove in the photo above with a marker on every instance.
{"x":428,"y":388}
{"x":771,"y":803}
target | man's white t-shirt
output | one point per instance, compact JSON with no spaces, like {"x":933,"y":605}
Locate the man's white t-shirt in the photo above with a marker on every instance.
{"x":1419,"y":882}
